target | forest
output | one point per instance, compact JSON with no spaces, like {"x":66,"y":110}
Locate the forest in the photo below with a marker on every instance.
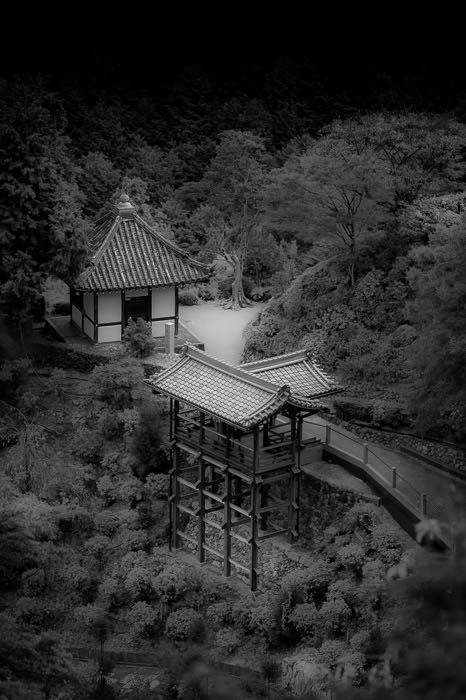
{"x":342,"y":208}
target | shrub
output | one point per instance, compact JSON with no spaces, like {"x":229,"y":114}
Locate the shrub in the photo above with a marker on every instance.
{"x":188,"y":297}
{"x":207,"y":292}
{"x":144,"y":620}
{"x":88,"y":615}
{"x":33,"y":582}
{"x":350,"y":668}
{"x":372,"y":587}
{"x":228,"y":640}
{"x":305,"y":618}
{"x":335,"y":614}
{"x":109,"y":425}
{"x":158,"y":485}
{"x":310,"y":583}
{"x":263,"y":620}
{"x":100,"y":547}
{"x":39,"y":612}
{"x":137,"y":338}
{"x":220,"y":613}
{"x":114,"y":382}
{"x":147,"y":444}
{"x":331,"y":651}
{"x":360,"y":641}
{"x":185,"y":623}
{"x":363,"y":515}
{"x":342,"y":588}
{"x":386,"y":543}
{"x":352,"y":556}
{"x":174,"y":581}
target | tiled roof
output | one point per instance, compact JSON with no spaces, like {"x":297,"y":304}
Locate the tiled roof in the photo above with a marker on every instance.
{"x":296,"y":369}
{"x":228,"y":393}
{"x":128,"y":254}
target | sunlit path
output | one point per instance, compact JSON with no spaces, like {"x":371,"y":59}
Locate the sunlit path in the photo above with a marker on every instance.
{"x":221,"y":330}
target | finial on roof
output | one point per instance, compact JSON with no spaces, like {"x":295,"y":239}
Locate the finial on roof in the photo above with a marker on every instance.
{"x":124,"y":206}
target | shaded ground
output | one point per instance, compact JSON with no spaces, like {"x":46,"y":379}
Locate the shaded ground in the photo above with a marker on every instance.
{"x":221,"y":330}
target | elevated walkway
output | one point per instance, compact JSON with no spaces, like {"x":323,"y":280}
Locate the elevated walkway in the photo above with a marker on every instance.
{"x":410,"y":490}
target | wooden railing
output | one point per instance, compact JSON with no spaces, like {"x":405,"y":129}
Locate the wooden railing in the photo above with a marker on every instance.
{"x":353,"y":450}
{"x":203,"y":437}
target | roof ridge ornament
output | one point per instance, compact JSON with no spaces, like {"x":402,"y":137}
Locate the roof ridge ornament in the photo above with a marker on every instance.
{"x":124,"y":206}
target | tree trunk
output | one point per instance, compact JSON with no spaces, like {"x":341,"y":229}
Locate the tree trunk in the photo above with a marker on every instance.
{"x":238,"y":298}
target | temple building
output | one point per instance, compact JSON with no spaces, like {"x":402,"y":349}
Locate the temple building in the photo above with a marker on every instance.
{"x":134,"y":272}
{"x":237,"y":448}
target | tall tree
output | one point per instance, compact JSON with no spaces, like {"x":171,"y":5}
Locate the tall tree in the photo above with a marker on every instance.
{"x":335,"y":194}
{"x":41,"y":222}
{"x":230,"y":197}
{"x":437,"y":311}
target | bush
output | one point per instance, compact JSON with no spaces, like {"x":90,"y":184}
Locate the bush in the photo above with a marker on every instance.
{"x":220,"y":614}
{"x":342,"y":588}
{"x":305,"y":618}
{"x":174,"y":581}
{"x":363,"y":515}
{"x":352,"y":556}
{"x":331,"y":651}
{"x":185,"y":623}
{"x":147,"y":444}
{"x":33,"y":582}
{"x":309,"y":584}
{"x":335,"y":615}
{"x":137,"y":338}
{"x":386,"y":543}
{"x":228,"y":640}
{"x":144,"y":620}
{"x":114,"y":383}
{"x":157,"y":485}
{"x":188,"y":297}
{"x":350,"y":668}
{"x":207,"y":292}
{"x":41,"y":613}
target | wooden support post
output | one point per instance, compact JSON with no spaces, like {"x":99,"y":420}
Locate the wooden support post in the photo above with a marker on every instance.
{"x":424,"y":504}
{"x":365,"y":454}
{"x":227,"y":525}
{"x":201,"y":512}
{"x":176,"y":495}
{"x":293,"y":485}
{"x":237,"y":499}
{"x":394,"y":477}
{"x":263,"y":503}
{"x":171,"y":419}
{"x":256,"y":447}
{"x":253,"y":553}
{"x":201,"y":428}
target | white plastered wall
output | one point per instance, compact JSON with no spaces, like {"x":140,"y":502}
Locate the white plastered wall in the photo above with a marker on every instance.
{"x":109,"y":334}
{"x":109,"y":308}
{"x":163,"y":302}
{"x":163,"y":305}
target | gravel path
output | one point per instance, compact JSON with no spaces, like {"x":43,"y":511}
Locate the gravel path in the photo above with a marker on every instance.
{"x":221,"y":330}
